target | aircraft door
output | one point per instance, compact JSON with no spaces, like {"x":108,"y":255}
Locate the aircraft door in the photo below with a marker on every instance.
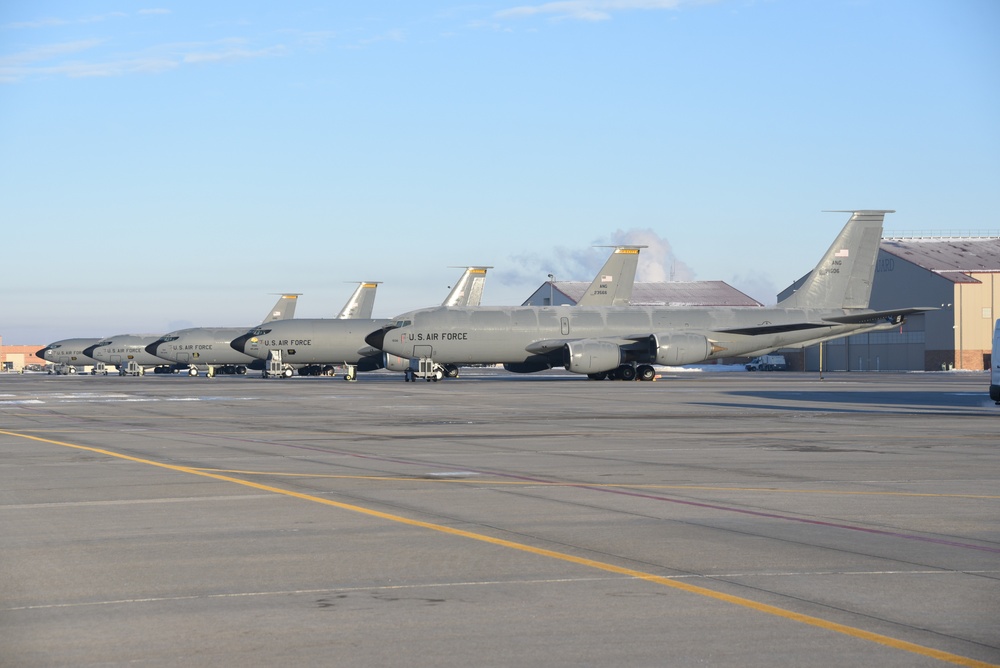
{"x":183,"y":357}
{"x":423,"y":352}
{"x":564,"y":326}
{"x":116,"y":359}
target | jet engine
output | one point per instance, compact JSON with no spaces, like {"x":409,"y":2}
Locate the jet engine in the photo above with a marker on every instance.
{"x":678,"y":349}
{"x":395,"y":363}
{"x":592,"y":356}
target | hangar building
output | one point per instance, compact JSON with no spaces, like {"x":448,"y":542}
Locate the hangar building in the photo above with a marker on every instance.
{"x":674,"y":293}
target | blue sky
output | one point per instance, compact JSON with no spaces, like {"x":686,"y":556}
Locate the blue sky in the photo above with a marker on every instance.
{"x":171,"y":164}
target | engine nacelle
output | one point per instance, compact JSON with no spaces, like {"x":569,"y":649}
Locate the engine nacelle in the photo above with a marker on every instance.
{"x":394,"y":363}
{"x":678,"y":349}
{"x":531,"y":365}
{"x":592,"y":356}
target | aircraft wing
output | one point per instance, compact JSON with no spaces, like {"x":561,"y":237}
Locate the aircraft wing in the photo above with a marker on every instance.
{"x":872,"y":316}
{"x":896,"y":315}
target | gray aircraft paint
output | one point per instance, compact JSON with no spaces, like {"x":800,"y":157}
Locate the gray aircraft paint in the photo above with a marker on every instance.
{"x":209,"y":346}
{"x":68,"y":352}
{"x":323,"y":341}
{"x":360,"y":304}
{"x":831,"y":303}
{"x":124,"y":348}
{"x":613,"y":284}
{"x":468,"y":291}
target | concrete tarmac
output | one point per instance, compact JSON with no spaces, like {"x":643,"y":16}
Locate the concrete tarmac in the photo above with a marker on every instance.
{"x":706,"y":519}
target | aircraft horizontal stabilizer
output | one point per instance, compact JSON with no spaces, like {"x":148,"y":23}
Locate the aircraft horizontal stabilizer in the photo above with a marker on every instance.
{"x":896,"y":315}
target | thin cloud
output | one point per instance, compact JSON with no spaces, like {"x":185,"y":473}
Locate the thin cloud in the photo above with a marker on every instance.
{"x":49,"y":61}
{"x":589,"y":10}
{"x":52,"y":22}
{"x":232,"y":54}
{"x":100,"y":18}
{"x":38,"y":23}
{"x":19,"y":66}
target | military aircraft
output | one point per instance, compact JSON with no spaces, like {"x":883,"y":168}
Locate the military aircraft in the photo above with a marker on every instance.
{"x":624,"y":342}
{"x":308,"y":343}
{"x":611,"y":287}
{"x":207,"y":348}
{"x":128,"y":353}
{"x":68,"y":358}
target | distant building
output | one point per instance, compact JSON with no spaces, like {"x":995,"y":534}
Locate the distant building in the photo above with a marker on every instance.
{"x":15,"y":358}
{"x":675,"y":293}
{"x":960,"y":276}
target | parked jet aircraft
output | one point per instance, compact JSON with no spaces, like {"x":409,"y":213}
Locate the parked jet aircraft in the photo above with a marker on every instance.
{"x":208,"y":349}
{"x":128,"y":353}
{"x":611,"y":287}
{"x":624,"y":342}
{"x":324,"y":342}
{"x":68,"y":358}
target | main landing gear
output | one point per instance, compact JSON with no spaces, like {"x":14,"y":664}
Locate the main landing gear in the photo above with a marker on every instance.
{"x":626,"y":372}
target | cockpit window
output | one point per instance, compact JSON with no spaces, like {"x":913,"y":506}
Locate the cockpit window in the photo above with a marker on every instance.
{"x":260,"y":332}
{"x":167,"y":339}
{"x":403,"y":323}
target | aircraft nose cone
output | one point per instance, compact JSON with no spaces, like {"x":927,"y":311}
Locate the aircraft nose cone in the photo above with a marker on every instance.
{"x":41,"y":353}
{"x":239,"y":343}
{"x":151,"y":348}
{"x":377,"y":338}
{"x":89,"y":351}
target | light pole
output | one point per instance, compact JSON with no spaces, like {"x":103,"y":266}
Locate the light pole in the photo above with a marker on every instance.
{"x":552,"y":279}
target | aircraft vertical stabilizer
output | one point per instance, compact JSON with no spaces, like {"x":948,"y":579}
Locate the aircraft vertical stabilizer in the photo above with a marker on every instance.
{"x":468,"y":291}
{"x":843,"y":278}
{"x":361,"y":303}
{"x":284,"y":308}
{"x":613,"y":284}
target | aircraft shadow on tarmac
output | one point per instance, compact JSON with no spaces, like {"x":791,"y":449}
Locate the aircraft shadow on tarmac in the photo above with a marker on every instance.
{"x":951,"y":403}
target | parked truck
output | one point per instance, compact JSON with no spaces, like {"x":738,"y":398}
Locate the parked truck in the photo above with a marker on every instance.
{"x":767,"y":363}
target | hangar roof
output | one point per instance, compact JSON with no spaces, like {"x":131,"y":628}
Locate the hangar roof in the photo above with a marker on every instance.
{"x":952,"y":258}
{"x":674,"y":293}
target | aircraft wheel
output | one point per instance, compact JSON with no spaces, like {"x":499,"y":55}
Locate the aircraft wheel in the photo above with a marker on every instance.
{"x":438,"y":375}
{"x":287,"y":373}
{"x":192,"y":372}
{"x":626,"y":372}
{"x":603,"y":375}
{"x":646,"y":372}
{"x":450,"y":371}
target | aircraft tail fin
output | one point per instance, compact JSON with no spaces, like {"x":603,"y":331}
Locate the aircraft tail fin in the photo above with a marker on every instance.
{"x":843,"y":278}
{"x":468,"y":291}
{"x":284,"y":308}
{"x":613,"y":284}
{"x":361,"y":303}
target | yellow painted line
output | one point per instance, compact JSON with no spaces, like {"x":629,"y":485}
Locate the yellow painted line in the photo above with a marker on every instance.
{"x":541,"y":483}
{"x":851,"y":631}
